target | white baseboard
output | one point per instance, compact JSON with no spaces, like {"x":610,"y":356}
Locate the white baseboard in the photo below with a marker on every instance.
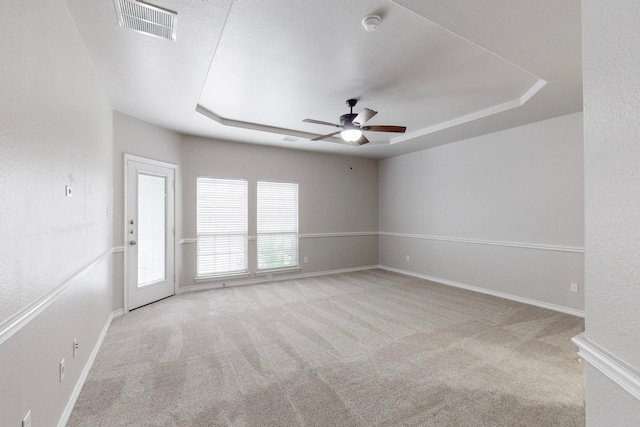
{"x":560,"y":308}
{"x":87,"y":368}
{"x":257,"y":280}
{"x":615,"y":369}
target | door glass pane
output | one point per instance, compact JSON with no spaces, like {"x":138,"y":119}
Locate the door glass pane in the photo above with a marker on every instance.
{"x":151,"y":228}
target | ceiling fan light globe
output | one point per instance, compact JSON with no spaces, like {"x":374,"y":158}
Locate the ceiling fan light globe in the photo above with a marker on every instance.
{"x":351,"y":135}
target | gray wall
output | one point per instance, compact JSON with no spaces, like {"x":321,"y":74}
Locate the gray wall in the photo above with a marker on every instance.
{"x":502,"y":212}
{"x":55,"y":251}
{"x":139,"y":138}
{"x":333,"y":199}
{"x":337,"y":204}
{"x":611,"y":55}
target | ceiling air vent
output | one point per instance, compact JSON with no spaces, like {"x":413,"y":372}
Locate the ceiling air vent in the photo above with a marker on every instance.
{"x":147,"y":19}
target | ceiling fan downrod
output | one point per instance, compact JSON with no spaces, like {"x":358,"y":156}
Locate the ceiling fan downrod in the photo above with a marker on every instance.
{"x":351,"y":103}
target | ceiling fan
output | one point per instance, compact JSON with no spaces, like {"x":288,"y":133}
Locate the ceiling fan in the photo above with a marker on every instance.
{"x":352,"y":125}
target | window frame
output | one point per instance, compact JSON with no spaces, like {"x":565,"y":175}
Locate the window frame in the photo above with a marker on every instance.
{"x":296,"y":266}
{"x":242,"y":272}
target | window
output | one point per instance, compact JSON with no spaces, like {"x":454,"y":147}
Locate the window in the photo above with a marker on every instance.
{"x":277,"y":225}
{"x":221,"y":226}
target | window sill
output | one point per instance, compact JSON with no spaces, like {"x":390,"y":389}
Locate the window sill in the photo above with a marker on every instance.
{"x":277,"y":271}
{"x":218,"y":277}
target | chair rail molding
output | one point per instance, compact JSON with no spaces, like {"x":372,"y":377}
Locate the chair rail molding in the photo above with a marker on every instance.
{"x":13,"y":324}
{"x":301,"y":236}
{"x":344,"y":234}
{"x":559,"y":248}
{"x":615,"y":369}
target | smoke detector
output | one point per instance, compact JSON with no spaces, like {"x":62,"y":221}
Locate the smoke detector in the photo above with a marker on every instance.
{"x":371,"y":22}
{"x":147,"y":19}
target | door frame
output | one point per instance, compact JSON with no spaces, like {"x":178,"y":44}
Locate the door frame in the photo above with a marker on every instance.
{"x":125,"y":224}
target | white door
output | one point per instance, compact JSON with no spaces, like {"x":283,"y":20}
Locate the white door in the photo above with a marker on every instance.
{"x":149,"y":231}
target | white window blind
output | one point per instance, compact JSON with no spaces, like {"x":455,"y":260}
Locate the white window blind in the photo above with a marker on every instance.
{"x":277,"y":224}
{"x":221,"y":226}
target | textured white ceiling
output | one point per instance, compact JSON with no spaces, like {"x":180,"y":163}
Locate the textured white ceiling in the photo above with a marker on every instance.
{"x":447,"y":70}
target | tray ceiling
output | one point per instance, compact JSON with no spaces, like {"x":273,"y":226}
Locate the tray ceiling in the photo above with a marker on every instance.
{"x":251,"y":71}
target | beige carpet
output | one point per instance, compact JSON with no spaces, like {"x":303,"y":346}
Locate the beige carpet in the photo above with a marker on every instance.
{"x":369,"y":348}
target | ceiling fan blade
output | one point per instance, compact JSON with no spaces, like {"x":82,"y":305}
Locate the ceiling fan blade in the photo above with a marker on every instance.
{"x":363,"y":140}
{"x":325,"y":136}
{"x":319,"y":122}
{"x":396,"y":129}
{"x":364,"y":116}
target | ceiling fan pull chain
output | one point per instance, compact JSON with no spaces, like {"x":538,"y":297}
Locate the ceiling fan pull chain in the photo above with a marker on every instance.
{"x":351,"y":157}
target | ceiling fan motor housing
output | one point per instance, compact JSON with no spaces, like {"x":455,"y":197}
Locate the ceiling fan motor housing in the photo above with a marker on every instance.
{"x":346,"y":120}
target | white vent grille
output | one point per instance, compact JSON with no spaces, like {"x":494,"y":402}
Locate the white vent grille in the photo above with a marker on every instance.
{"x":147,"y":19}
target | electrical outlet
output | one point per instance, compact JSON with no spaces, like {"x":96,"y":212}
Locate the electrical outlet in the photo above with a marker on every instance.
{"x":306,"y":260}
{"x":67,"y":190}
{"x":26,"y":421}
{"x":575,"y":287}
{"x":75,"y":347}
{"x":61,"y":370}
{"x":408,"y":258}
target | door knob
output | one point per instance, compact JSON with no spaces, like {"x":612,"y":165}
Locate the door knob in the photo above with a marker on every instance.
{"x":132,"y":242}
